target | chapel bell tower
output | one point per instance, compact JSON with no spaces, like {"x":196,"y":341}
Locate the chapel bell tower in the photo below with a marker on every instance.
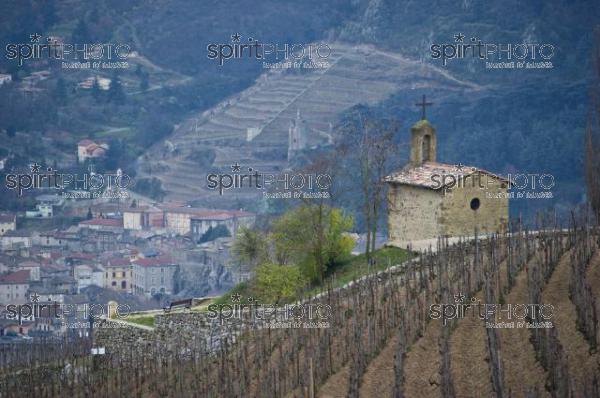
{"x":423,"y":143}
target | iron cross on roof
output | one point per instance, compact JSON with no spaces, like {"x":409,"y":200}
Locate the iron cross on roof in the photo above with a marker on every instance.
{"x":423,"y":104}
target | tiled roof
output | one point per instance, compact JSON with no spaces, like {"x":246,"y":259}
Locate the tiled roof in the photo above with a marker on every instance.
{"x":21,"y":276}
{"x":154,"y":261}
{"x":82,"y":256}
{"x":142,"y":209}
{"x":221,"y":214}
{"x":117,"y":262}
{"x":4,"y":323}
{"x":17,"y":234}
{"x":194,"y":212}
{"x":212,"y":216}
{"x":431,"y":174}
{"x":5,"y":218}
{"x":105,"y":222}
{"x":29,"y":264}
{"x":85,"y":142}
{"x":53,"y":267}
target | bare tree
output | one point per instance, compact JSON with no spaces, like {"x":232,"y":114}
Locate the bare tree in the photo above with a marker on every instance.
{"x":592,"y":138}
{"x":371,"y":142}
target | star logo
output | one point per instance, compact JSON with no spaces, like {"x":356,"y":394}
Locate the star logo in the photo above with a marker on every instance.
{"x":459,"y":298}
{"x":459,"y":167}
{"x":459,"y":38}
{"x":34,"y":297}
{"x":35,"y":38}
{"x":35,"y":168}
{"x":236,"y":37}
{"x":236,"y":297}
{"x":236,"y":167}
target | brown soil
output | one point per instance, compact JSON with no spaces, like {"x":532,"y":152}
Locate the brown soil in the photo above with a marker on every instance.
{"x":421,"y":372}
{"x":521,"y":370}
{"x":582,"y":365}
{"x":337,"y":385}
{"x":469,"y":358}
{"x":378,"y":380}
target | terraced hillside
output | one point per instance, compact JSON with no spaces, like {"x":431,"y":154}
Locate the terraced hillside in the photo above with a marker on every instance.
{"x":355,"y":74}
{"x":381,"y":338}
{"x":527,"y":362}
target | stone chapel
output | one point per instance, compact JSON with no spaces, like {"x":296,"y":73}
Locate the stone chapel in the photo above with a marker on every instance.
{"x":428,"y":199}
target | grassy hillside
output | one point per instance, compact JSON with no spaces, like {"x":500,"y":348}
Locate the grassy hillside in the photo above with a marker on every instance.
{"x":340,"y":275}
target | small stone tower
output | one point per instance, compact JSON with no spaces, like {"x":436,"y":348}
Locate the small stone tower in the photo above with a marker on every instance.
{"x":423,"y":143}
{"x":296,"y":135}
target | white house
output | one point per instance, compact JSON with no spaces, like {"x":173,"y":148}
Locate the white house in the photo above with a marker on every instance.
{"x":14,"y":287}
{"x":13,"y":240}
{"x":88,"y":275}
{"x":8,"y":222}
{"x":5,"y":78}
{"x":154,"y":275}
{"x":45,"y":206}
{"x":233,"y":220}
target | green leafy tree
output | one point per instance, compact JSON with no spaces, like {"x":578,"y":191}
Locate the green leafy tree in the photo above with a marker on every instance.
{"x":60,"y":91}
{"x":313,"y":238}
{"x":279,"y":282}
{"x":48,"y":12}
{"x":115,"y":91}
{"x":152,"y":127}
{"x":117,"y":155}
{"x":81,"y":33}
{"x":94,"y":15}
{"x":251,"y":247}
{"x":220,"y":231}
{"x":151,"y":187}
{"x":96,"y":91}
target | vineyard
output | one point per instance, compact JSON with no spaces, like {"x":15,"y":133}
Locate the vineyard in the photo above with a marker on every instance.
{"x":381,"y":340}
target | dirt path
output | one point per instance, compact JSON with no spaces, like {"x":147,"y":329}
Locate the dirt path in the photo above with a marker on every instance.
{"x":421,"y":372}
{"x":582,"y":365}
{"x":381,"y":368}
{"x":469,"y":355}
{"x":337,"y":385}
{"x":521,"y":370}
